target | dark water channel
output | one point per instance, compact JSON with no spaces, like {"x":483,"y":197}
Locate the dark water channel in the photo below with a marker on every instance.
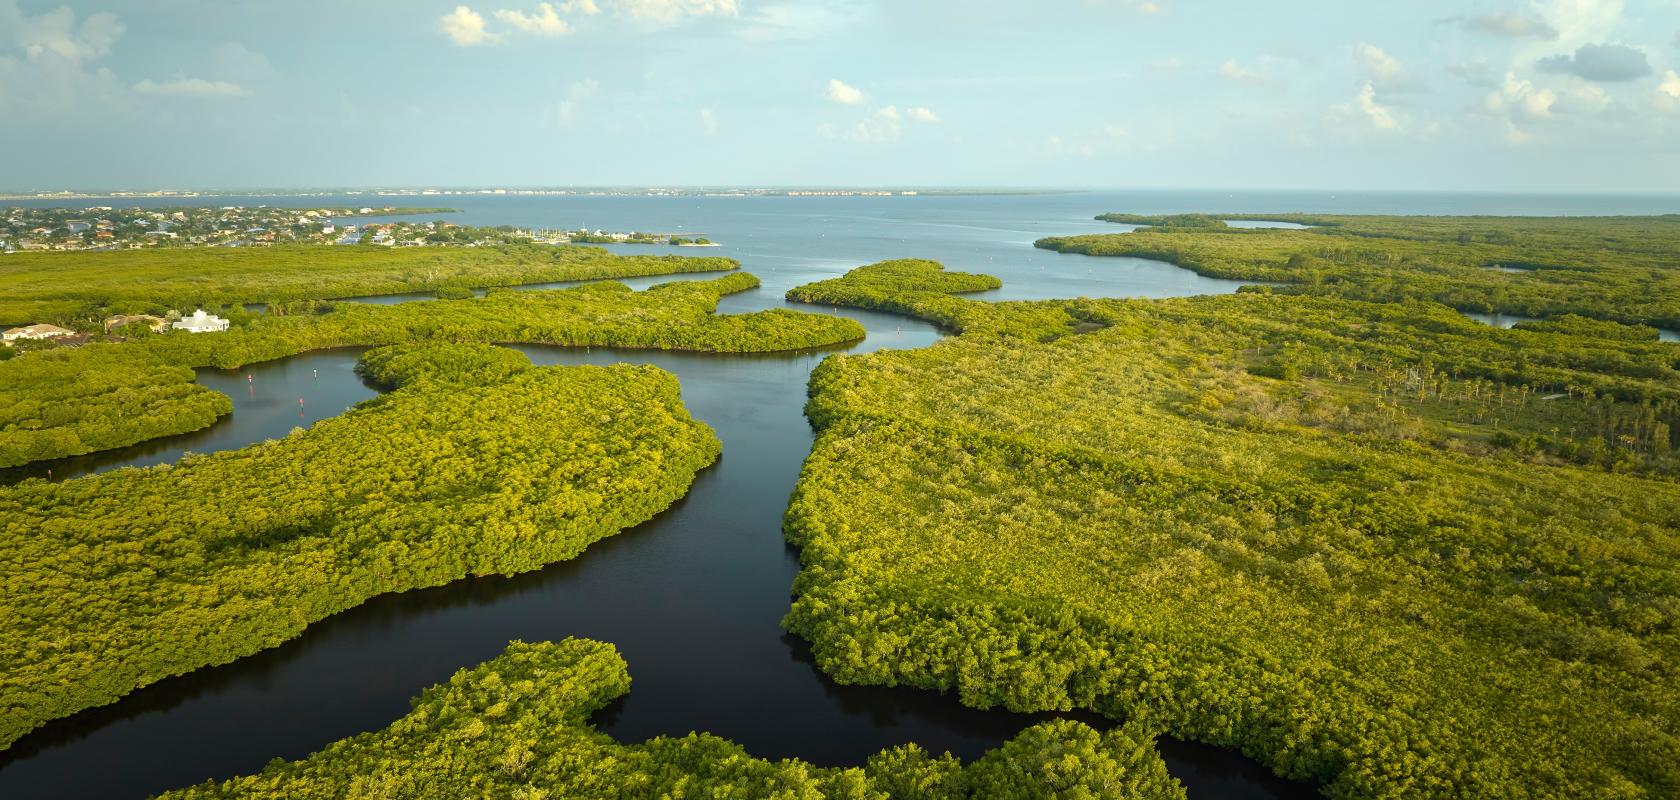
{"x":693,"y":600}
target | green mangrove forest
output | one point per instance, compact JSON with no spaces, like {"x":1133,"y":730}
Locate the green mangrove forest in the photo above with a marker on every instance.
{"x":1377,"y":546}
{"x":1619,"y":269}
{"x":476,"y":464}
{"x":71,"y":401}
{"x":517,"y":727}
{"x":79,"y":289}
{"x":1328,"y":521}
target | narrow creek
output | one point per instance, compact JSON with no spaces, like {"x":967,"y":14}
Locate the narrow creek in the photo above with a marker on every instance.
{"x":692,"y":599}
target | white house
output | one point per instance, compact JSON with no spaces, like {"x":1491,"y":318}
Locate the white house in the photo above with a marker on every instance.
{"x":201,"y":322}
{"x":41,"y":331}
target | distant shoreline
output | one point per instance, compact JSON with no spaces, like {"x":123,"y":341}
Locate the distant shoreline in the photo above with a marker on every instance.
{"x":791,"y":191}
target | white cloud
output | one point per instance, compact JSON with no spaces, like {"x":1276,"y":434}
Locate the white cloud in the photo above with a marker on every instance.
{"x":844,"y":94}
{"x":1148,"y":8}
{"x":1521,"y":100}
{"x":545,"y":21}
{"x":1667,"y":97}
{"x":1670,"y":85}
{"x":1378,"y":65}
{"x":874,"y":129}
{"x":466,"y":27}
{"x":884,"y":124}
{"x":708,"y":122}
{"x":1581,"y":21}
{"x":1234,"y":71}
{"x":191,"y":87}
{"x":50,"y":73}
{"x":1166,"y":65}
{"x":54,"y":34}
{"x":1381,"y":118}
{"x":668,"y":11}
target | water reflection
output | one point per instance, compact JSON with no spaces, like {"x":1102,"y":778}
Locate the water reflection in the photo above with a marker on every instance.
{"x":693,"y":598}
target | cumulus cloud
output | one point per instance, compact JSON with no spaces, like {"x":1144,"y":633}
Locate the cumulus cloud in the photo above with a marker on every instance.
{"x":1380,"y":117}
{"x":465,"y":27}
{"x":884,"y":124}
{"x":1580,"y":22}
{"x":55,"y":35}
{"x":1605,"y":63}
{"x":45,"y":60}
{"x":191,"y":87}
{"x":1514,"y":26}
{"x":1518,"y":102}
{"x":841,"y":92}
{"x":1519,"y":98}
{"x":1378,"y":64}
{"x":708,"y":122}
{"x":1232,"y":70}
{"x":1670,"y":85}
{"x":545,"y":21}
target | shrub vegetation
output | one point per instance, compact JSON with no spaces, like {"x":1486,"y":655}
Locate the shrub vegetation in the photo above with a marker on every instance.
{"x":74,"y":401}
{"x":1619,"y":269}
{"x":517,"y":727}
{"x":474,"y":466}
{"x":1303,"y":527}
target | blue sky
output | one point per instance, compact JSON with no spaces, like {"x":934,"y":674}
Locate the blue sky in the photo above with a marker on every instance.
{"x":1501,"y":95}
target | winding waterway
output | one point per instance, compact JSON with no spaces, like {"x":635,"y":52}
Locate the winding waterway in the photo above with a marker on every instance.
{"x":693,"y":598}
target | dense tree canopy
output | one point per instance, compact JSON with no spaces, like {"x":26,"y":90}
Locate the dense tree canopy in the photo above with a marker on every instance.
{"x":517,"y":727}
{"x":1609,"y":268}
{"x":63,"y":402}
{"x":1303,"y":527}
{"x":78,"y":288}
{"x":114,"y":581}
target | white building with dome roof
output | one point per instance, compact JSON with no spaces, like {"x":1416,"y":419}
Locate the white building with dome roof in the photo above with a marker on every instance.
{"x":201,"y":322}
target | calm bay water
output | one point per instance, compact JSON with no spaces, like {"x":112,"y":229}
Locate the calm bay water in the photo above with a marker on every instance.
{"x":693,"y":598}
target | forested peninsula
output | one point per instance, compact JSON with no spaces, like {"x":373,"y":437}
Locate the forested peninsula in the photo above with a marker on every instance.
{"x":81,"y":288}
{"x":476,"y":464}
{"x":1619,"y":269}
{"x":1378,"y":546}
{"x":71,"y":401}
{"x":517,"y":727}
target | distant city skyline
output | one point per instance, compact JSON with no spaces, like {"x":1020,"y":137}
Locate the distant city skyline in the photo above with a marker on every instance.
{"x":1507,"y":96}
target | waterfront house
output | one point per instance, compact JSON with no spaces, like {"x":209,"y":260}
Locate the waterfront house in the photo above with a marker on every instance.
{"x":40,"y":331}
{"x":201,"y":322}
